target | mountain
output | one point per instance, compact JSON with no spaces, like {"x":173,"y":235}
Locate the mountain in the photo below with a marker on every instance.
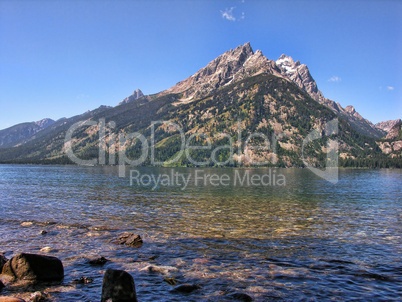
{"x":220,"y":109}
{"x":233,"y":65}
{"x":242,"y":62}
{"x":300,"y":75}
{"x":387,"y":125}
{"x":136,"y":95}
{"x":392,"y":143}
{"x":18,"y":133}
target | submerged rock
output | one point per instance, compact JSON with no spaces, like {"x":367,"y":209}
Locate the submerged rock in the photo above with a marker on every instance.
{"x":159,"y":269}
{"x":170,"y":281}
{"x":2,"y":285}
{"x":98,"y":261}
{"x":118,"y":285}
{"x":83,"y":280}
{"x":240,"y":297}
{"x":39,"y":297}
{"x":186,"y":288}
{"x":34,"y":268}
{"x":130,"y":239}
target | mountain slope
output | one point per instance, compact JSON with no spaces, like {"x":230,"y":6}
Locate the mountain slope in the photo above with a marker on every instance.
{"x":19,"y":133}
{"x":220,"y":108}
{"x":263,"y":104}
{"x":300,"y":75}
{"x":387,"y":125}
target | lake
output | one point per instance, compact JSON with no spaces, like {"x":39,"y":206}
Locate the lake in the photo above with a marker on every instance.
{"x":299,"y":239}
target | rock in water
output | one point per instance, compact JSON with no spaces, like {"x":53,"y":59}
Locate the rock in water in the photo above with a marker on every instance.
{"x":130,"y":239}
{"x":3,"y":261}
{"x":118,"y":285}
{"x":34,"y":267}
{"x":98,"y":261}
{"x":39,"y":297}
{"x":1,"y":285}
{"x":240,"y":297}
{"x":186,"y":288}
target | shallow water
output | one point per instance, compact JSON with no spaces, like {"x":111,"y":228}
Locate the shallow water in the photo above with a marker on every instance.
{"x":306,"y":241}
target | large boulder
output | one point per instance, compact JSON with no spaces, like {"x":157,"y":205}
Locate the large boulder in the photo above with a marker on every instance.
{"x":3,"y":261}
{"x":118,"y":286}
{"x":34,"y":267}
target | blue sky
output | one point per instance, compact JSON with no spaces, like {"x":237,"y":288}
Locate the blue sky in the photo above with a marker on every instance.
{"x":61,"y":58}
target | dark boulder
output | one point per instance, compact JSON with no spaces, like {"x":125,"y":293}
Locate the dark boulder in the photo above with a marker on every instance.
{"x":98,"y":261}
{"x":83,"y":280}
{"x":2,"y":285}
{"x":34,"y":267}
{"x":130,"y":239}
{"x":118,"y":286}
{"x":3,"y":261}
{"x":186,"y":288}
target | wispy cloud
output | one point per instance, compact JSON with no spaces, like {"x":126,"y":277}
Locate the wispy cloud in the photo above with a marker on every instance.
{"x":390,"y":88}
{"x":335,"y":79}
{"x":228,"y":14}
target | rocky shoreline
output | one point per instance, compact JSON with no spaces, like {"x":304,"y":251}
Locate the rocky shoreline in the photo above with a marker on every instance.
{"x":31,"y":272}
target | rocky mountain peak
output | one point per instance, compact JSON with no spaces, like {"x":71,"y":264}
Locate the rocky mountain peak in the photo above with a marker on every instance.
{"x":44,"y":123}
{"x":300,"y":75}
{"x":136,"y":95}
{"x":395,"y":132}
{"x":231,"y":66}
{"x":241,"y":62}
{"x":387,"y":125}
{"x":350,"y":109}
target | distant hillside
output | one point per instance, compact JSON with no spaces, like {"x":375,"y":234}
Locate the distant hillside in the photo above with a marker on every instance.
{"x":19,"y":133}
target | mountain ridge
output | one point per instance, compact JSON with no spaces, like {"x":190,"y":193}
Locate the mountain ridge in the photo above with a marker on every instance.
{"x":239,"y":84}
{"x":22,"y":131}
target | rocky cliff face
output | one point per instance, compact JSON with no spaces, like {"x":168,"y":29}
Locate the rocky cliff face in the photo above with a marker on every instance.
{"x":136,"y":95}
{"x":392,"y":143}
{"x":387,"y":125}
{"x":231,"y":66}
{"x":300,"y":75}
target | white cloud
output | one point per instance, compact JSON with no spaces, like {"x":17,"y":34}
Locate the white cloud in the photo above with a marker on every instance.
{"x":243,"y":16}
{"x":390,"y":88}
{"x":335,"y":79}
{"x":228,"y":14}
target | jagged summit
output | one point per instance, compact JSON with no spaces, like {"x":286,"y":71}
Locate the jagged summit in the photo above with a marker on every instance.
{"x":300,"y":75}
{"x":136,"y":95}
{"x":44,"y":123}
{"x":242,"y":62}
{"x":233,"y":65}
{"x":387,"y":125}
